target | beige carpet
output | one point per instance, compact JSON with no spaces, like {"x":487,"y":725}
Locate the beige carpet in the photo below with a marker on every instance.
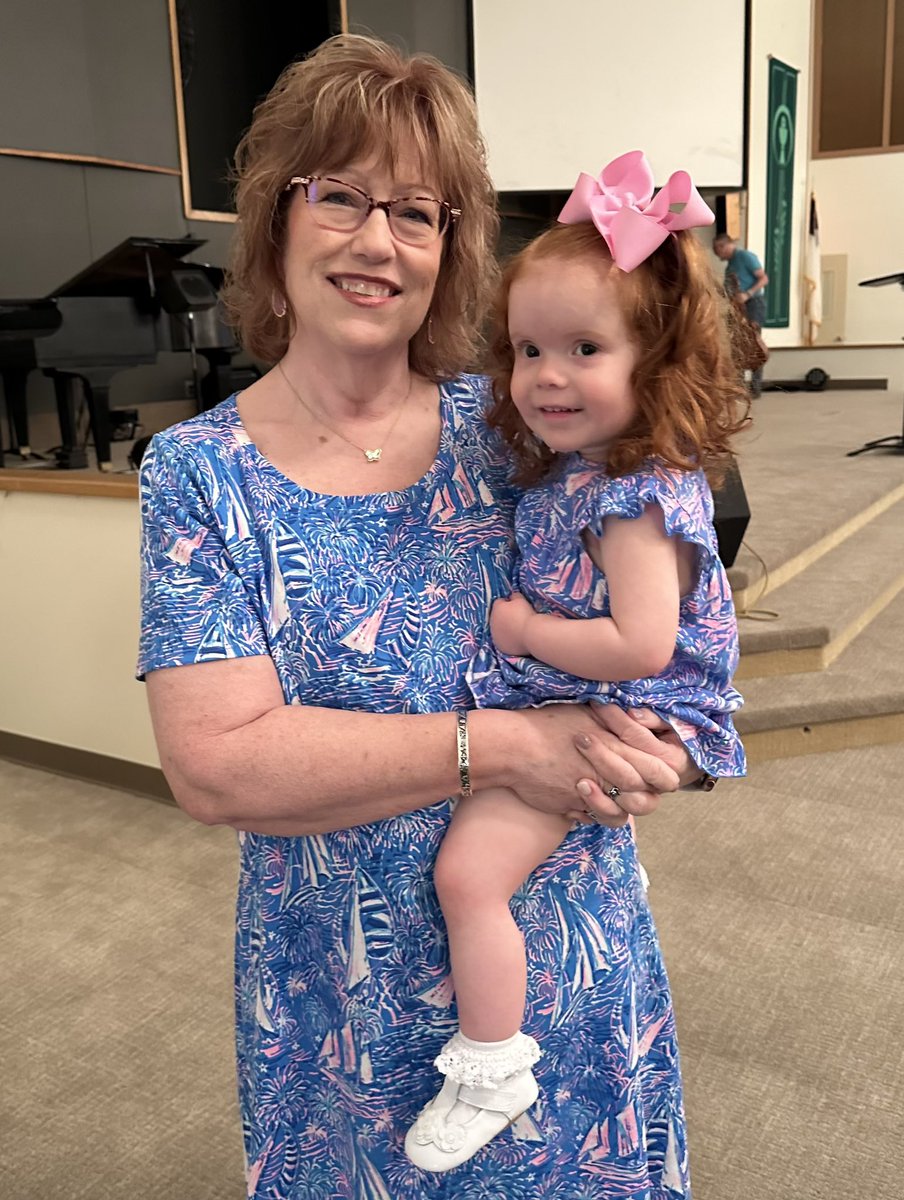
{"x":115,"y":957}
{"x":780,"y":902}
{"x":780,"y":905}
{"x":800,"y":484}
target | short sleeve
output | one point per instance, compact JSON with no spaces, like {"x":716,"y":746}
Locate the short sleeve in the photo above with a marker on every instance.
{"x":684,"y":497}
{"x":196,"y":604}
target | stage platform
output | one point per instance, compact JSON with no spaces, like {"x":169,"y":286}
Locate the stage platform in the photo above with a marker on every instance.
{"x":818,"y":583}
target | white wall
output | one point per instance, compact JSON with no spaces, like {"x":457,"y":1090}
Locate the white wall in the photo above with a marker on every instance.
{"x":565,"y":88}
{"x":69,"y":624}
{"x":859,"y":203}
{"x":783,"y":30}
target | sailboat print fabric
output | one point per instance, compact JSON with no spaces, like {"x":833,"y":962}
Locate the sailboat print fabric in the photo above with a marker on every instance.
{"x":556,"y":574}
{"x":343,"y":992}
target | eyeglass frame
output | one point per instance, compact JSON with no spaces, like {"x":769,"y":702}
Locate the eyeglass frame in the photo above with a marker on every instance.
{"x":385,"y":205}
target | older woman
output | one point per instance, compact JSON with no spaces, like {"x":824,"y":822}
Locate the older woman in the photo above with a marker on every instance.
{"x":320,"y":554}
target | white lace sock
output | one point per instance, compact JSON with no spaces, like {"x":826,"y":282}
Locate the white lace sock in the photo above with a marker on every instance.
{"x":484,"y":1064}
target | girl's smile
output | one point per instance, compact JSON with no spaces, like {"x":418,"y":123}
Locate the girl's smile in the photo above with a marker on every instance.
{"x":574,"y":356}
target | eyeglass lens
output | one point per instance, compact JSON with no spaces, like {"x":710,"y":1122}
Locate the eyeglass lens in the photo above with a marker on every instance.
{"x":414,"y":219}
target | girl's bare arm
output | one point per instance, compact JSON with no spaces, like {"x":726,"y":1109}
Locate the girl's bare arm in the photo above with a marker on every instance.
{"x":641,"y":565}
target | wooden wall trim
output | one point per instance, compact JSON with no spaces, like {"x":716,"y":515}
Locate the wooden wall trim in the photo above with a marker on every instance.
{"x":176,"y":61}
{"x":64,"y":483}
{"x":89,"y":160}
{"x":85,"y":764}
{"x":858,"y":152}
{"x":887,"y":91}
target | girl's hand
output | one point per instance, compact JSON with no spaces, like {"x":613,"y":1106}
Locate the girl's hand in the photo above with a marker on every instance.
{"x":508,"y":621}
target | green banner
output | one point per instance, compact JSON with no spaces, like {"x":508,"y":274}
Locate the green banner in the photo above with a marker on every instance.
{"x":780,"y":191}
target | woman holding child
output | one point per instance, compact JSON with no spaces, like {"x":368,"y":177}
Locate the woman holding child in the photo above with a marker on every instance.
{"x":321,"y":555}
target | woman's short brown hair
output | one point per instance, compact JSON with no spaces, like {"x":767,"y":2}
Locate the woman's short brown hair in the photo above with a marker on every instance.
{"x":689,"y":393}
{"x":352,"y":97}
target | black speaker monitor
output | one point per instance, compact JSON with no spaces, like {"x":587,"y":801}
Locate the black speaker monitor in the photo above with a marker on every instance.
{"x":732,"y":515}
{"x":186,"y":289}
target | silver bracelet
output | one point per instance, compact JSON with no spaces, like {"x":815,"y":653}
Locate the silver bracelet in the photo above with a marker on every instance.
{"x":464,"y":754}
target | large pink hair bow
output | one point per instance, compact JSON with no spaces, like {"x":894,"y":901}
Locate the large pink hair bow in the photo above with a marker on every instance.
{"x":620,"y":205}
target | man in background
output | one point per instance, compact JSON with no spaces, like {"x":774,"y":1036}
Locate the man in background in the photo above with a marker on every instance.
{"x":745,"y":283}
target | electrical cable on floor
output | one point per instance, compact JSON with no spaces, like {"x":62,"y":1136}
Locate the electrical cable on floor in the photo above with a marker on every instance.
{"x":759,"y":614}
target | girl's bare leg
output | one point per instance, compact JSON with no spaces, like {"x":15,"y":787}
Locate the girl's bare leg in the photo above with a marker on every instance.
{"x":493,"y":843}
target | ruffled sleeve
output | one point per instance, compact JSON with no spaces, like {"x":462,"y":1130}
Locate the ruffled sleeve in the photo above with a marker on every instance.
{"x":683,"y":496}
{"x":195,"y":604}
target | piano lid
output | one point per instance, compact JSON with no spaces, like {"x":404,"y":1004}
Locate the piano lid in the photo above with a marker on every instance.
{"x":125,"y":270}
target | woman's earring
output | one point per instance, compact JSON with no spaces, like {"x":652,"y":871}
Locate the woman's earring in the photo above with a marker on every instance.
{"x":430,"y":331}
{"x":278,"y":306}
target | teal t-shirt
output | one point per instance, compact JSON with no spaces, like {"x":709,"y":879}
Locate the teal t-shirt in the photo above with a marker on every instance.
{"x":743,"y":264}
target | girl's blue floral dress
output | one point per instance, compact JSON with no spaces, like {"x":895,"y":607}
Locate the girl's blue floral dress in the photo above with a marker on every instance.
{"x":343,"y":995}
{"x":557,"y":575}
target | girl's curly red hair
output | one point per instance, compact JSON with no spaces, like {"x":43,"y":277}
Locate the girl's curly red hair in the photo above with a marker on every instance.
{"x":689,"y":391}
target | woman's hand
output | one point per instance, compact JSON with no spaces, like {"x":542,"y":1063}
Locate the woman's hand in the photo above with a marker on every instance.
{"x":641,"y":731}
{"x":633,"y":727}
{"x":559,"y":746}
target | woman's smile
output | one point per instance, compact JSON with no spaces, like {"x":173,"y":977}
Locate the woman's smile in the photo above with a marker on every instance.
{"x":365,"y":288}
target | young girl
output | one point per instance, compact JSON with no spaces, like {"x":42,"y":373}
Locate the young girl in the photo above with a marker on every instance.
{"x":614,"y":384}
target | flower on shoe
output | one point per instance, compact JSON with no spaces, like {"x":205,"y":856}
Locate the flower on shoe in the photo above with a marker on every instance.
{"x":447,"y":1135}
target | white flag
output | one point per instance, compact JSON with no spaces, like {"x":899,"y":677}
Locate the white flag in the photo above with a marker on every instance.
{"x":812,"y":279}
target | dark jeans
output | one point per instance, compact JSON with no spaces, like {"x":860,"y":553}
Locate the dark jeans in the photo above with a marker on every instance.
{"x":755,"y":311}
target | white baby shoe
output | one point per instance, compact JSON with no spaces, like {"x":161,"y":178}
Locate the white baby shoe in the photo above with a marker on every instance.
{"x":488,"y":1085}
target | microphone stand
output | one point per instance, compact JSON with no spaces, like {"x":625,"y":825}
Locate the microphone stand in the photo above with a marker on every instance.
{"x":894,"y":441}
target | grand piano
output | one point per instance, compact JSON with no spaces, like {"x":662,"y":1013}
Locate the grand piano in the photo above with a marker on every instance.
{"x":123,"y":310}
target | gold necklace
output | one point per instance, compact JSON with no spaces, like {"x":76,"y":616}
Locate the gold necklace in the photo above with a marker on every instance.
{"x":372,"y":456}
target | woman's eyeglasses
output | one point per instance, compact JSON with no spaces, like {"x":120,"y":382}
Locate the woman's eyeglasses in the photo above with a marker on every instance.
{"x":334,"y":204}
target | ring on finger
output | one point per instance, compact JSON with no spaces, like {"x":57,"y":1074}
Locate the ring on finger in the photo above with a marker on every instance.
{"x":613,"y":793}
{"x":593,"y":816}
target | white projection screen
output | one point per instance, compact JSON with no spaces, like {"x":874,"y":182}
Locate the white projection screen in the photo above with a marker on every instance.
{"x":565,"y":86}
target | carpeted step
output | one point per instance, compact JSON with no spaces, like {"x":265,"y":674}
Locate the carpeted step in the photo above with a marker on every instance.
{"x":806,"y":496}
{"x":857,"y":701}
{"x":821,"y":610}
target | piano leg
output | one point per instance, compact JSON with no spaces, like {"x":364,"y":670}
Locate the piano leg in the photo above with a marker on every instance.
{"x":15,"y":380}
{"x":98,"y":397}
{"x":70,"y":456}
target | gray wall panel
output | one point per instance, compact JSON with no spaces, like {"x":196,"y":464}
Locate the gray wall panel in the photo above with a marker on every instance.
{"x":438,"y":27}
{"x":125,"y":204}
{"x":218,"y":239}
{"x":130,"y":72}
{"x":88,"y":77}
{"x":44,"y":228}
{"x":45,"y":91}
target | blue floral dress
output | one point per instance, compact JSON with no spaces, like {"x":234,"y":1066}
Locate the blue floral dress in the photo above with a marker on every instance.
{"x":557,"y":575}
{"x":343,"y":994}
